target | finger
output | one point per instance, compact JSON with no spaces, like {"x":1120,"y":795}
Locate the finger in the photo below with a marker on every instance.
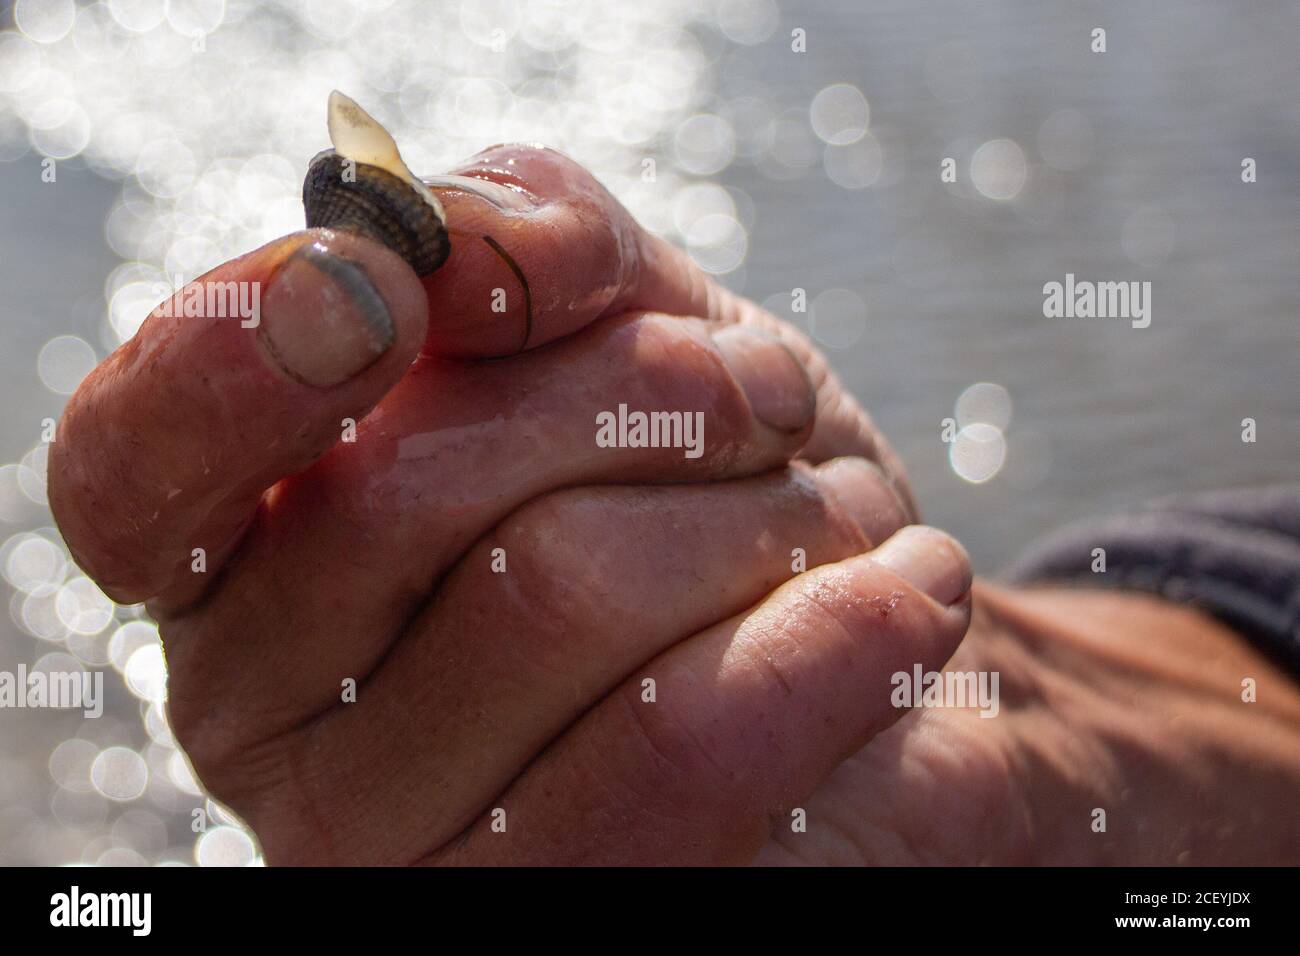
{"x":454,"y":449}
{"x":746,"y":720}
{"x":572,"y":255}
{"x":241,"y":378}
{"x":512,"y":654}
{"x":571,"y":252}
{"x":843,"y":427}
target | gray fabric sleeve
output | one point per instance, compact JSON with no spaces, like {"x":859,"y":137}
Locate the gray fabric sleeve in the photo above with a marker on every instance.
{"x":1235,"y":554}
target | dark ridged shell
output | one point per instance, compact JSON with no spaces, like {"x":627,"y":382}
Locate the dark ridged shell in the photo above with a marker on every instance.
{"x":378,"y":204}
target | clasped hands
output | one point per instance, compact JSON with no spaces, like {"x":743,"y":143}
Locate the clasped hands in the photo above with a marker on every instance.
{"x":439,"y":619}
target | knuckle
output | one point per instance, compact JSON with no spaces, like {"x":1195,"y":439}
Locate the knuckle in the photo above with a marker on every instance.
{"x":228,"y":748}
{"x":259,"y":780}
{"x":199,"y":725}
{"x":680,"y":366}
{"x":213,"y":754}
{"x":551,"y":547}
{"x":666,"y":769}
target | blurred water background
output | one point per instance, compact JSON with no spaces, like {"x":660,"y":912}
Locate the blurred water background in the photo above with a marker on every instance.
{"x":180,"y":132}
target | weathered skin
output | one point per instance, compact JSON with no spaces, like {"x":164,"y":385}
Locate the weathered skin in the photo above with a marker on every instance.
{"x":372,"y":560}
{"x":329,"y":560}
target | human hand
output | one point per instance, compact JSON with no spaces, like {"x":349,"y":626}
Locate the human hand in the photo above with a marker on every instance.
{"x":372,"y":560}
{"x":1115,"y":702}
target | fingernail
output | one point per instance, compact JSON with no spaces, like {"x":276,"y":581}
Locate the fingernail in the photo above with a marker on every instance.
{"x":775,"y":382}
{"x":865,"y":495}
{"x":503,"y":197}
{"x":929,"y":559}
{"x":323,"y":321}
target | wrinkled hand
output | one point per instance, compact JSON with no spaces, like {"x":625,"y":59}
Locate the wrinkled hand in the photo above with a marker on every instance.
{"x":1120,"y":737}
{"x":496,"y":585}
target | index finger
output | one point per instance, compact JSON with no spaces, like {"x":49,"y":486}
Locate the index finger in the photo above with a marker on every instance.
{"x":565,"y":253}
{"x":540,"y":249}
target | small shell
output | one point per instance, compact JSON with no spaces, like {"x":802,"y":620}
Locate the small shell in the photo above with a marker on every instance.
{"x":362,"y":185}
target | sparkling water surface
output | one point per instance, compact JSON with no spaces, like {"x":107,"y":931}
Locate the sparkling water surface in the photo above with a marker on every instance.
{"x":180,"y":132}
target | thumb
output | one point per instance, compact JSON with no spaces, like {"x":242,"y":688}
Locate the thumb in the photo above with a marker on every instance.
{"x":243,"y":377}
